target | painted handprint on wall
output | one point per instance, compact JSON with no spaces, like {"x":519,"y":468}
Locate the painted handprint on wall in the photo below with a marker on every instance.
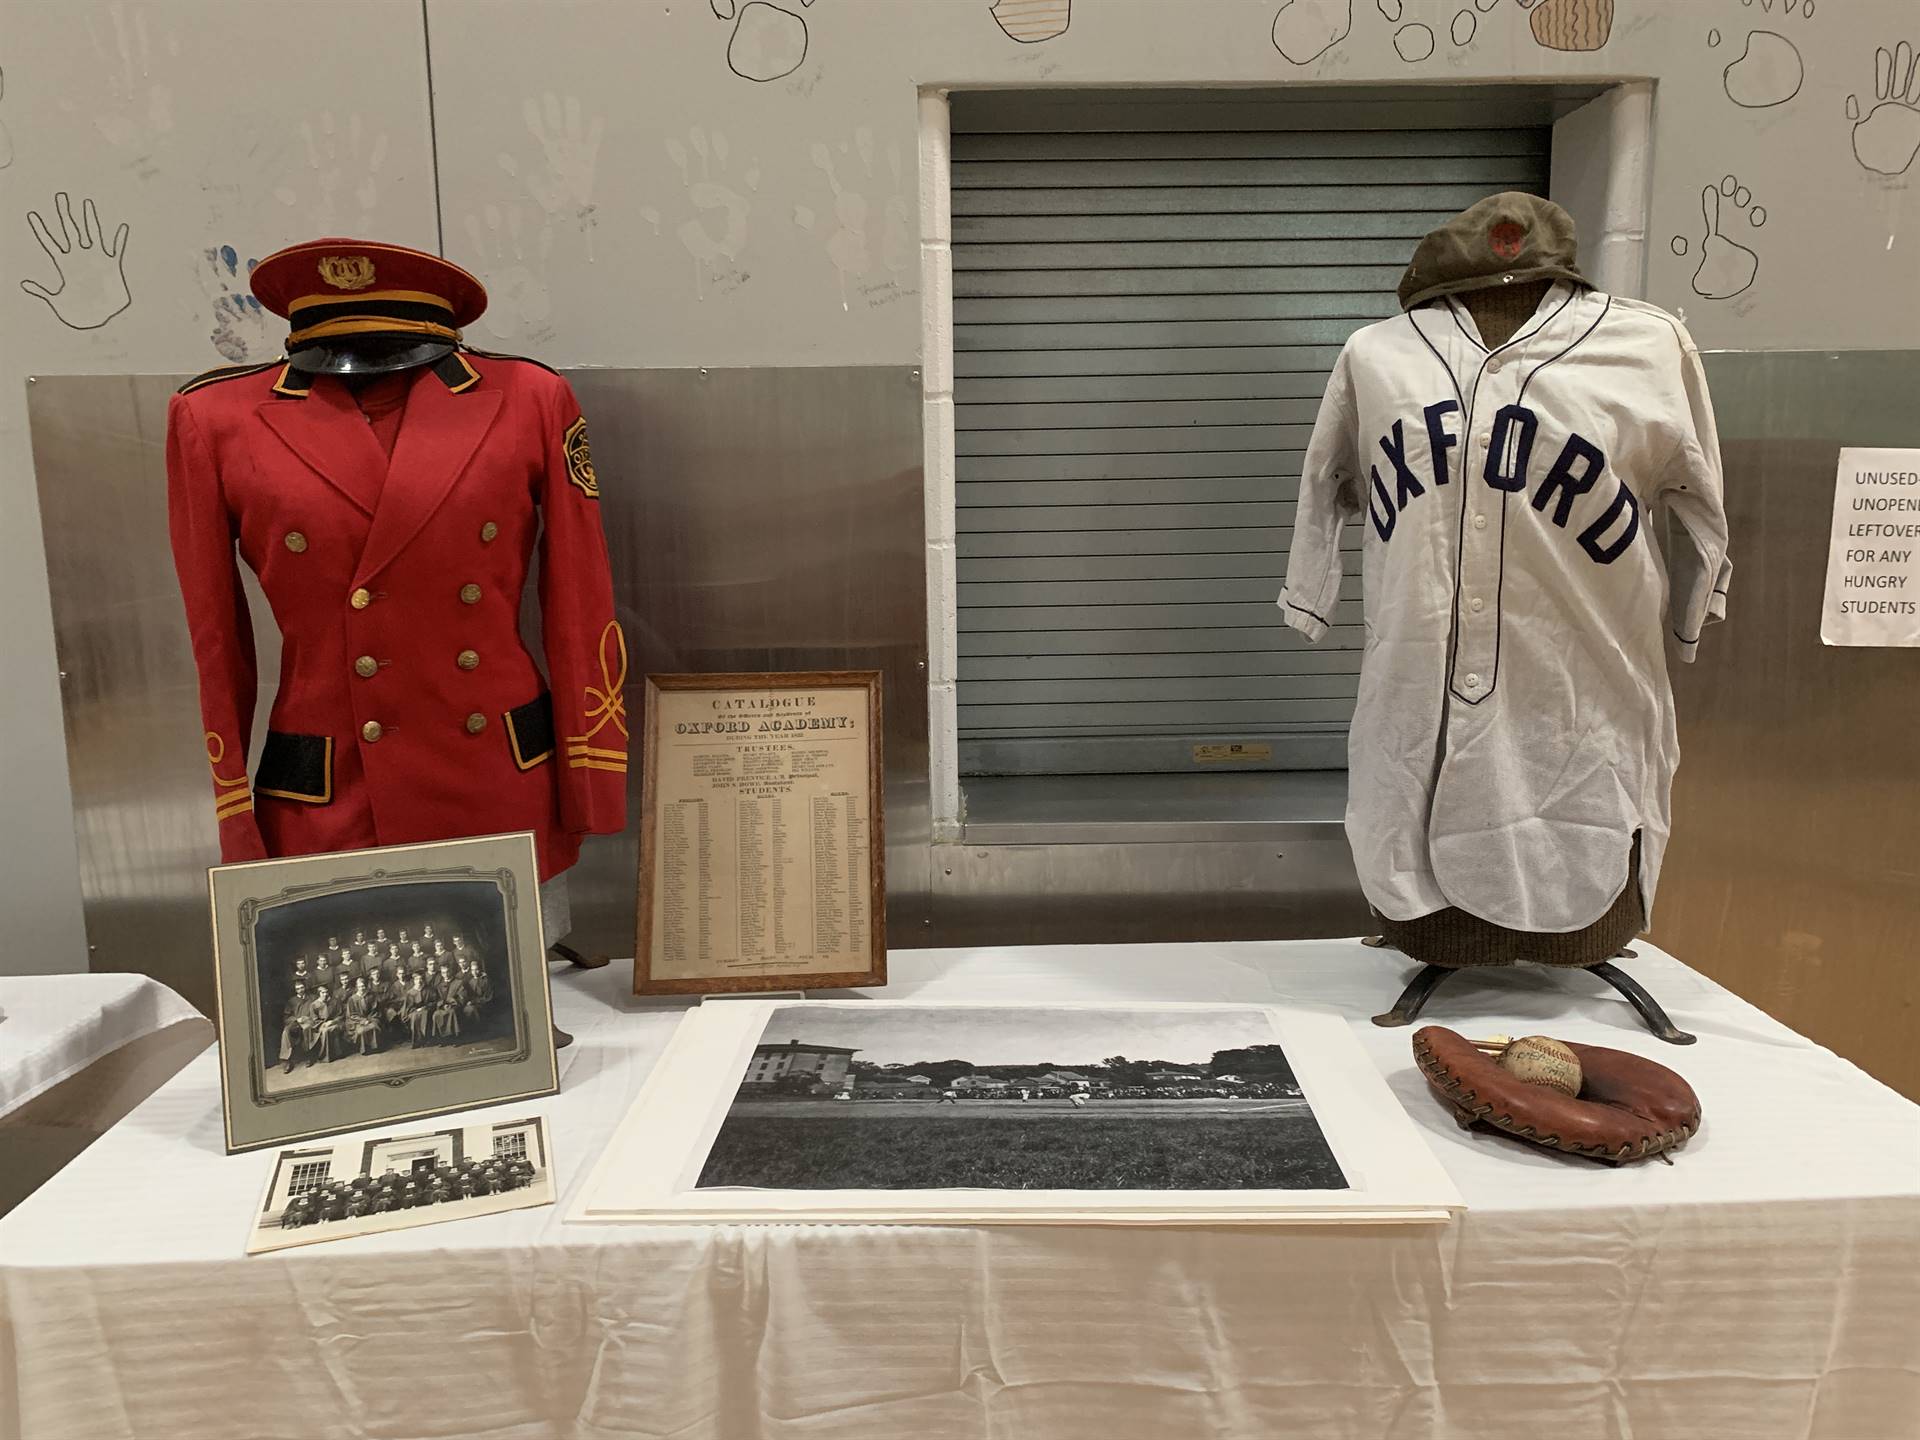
{"x":1887,"y":138}
{"x":339,"y":162}
{"x":716,"y":233}
{"x":91,"y":270}
{"x":242,"y":328}
{"x":520,"y":304}
{"x":848,"y":245}
{"x":562,"y":184}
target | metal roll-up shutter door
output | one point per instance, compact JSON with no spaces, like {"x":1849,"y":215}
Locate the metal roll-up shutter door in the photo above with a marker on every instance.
{"x":1144,"y":321}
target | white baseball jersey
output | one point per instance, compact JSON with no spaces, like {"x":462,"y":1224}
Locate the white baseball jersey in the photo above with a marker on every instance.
{"x":1515,"y":724}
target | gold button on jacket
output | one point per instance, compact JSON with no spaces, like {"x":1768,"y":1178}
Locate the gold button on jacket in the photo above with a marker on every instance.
{"x":366,"y":667}
{"x":296,"y":542}
{"x":468,"y":659}
{"x":476,"y":722}
{"x":360,"y":599}
{"x":371,"y":731}
{"x":487,"y":532}
{"x":469,"y":594}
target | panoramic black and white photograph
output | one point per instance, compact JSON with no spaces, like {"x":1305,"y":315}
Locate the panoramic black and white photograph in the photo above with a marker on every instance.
{"x":381,"y":980}
{"x":1045,"y":1098}
{"x":361,"y":1185}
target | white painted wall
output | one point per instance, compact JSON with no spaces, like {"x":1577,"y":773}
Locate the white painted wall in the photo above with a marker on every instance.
{"x":198,"y":125}
{"x":633,"y":198}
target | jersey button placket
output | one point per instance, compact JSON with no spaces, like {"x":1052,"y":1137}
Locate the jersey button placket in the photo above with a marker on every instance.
{"x":1476,"y":618}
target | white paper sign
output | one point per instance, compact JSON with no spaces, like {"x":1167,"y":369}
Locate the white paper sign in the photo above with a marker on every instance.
{"x":1873,"y":577}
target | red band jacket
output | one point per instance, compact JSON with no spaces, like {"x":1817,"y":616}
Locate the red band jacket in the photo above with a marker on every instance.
{"x":408,"y":709}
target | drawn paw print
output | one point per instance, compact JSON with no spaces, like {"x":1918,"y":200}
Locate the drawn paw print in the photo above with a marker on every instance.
{"x":240,"y":324}
{"x":1032,"y":21}
{"x":137,"y":112}
{"x":1888,"y":138}
{"x":1304,"y":30}
{"x":768,"y":43}
{"x":848,"y":246}
{"x":92,"y":272}
{"x":1577,"y":26}
{"x":1726,"y":267}
{"x":570,"y":159}
{"x":1769,"y":71}
{"x":717,"y":232}
{"x":519,"y":302}
{"x":346,"y":163}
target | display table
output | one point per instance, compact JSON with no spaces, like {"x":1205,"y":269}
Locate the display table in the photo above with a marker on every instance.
{"x":77,"y":1052}
{"x":1763,"y":1286}
{"x":58,"y":1025}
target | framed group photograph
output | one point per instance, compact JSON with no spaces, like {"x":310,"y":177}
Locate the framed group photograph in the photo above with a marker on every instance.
{"x":370,"y":986}
{"x":762,"y":844}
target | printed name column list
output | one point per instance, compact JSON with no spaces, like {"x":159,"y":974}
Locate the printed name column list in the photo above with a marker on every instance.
{"x":763,"y":863}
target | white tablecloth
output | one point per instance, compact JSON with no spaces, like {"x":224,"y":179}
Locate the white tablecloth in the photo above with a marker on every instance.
{"x":57,"y":1025}
{"x":1763,"y":1286}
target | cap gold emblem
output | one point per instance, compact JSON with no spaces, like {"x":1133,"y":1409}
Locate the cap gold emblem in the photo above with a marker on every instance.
{"x":346,"y":272}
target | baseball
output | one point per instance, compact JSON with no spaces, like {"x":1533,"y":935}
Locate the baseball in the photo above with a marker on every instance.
{"x":1540,"y":1060}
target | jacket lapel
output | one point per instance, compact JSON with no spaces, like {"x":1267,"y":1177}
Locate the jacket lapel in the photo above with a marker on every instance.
{"x":327,"y":431}
{"x":438,"y":436}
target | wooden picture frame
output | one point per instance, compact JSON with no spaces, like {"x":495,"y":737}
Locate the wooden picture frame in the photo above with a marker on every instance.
{"x":771,"y":739}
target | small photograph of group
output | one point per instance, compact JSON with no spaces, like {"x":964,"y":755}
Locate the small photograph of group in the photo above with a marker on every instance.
{"x":361,"y":1185}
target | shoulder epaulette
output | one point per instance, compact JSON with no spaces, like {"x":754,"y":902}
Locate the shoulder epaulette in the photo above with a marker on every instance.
{"x":225,"y":372}
{"x":501,"y":355}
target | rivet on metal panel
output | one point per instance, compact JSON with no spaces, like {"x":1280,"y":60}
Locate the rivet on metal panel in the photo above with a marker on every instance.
{"x":913,"y":377}
{"x":703,"y":372}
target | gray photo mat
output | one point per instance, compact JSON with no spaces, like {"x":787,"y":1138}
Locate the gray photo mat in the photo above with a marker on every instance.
{"x":240,"y":893}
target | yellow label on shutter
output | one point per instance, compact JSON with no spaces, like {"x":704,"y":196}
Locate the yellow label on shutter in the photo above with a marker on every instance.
{"x":1226,"y":754}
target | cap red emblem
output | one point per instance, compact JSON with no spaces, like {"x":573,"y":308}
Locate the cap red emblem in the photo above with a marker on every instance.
{"x":1507,"y":239}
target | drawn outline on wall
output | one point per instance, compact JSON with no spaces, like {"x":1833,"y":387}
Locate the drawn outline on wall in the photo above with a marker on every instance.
{"x":1304,"y":30}
{"x":1727,"y":268}
{"x":91,"y":270}
{"x":1579,"y":26}
{"x":1032,"y":22}
{"x":768,"y":43}
{"x":1887,"y":138}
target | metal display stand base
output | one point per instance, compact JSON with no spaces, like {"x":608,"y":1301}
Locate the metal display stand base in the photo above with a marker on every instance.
{"x":1430,"y":978}
{"x":559,"y":951}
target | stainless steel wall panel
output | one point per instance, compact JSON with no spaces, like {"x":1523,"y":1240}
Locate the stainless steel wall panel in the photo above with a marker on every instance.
{"x":1791,"y":877}
{"x":1078,"y":894}
{"x":758,"y":520}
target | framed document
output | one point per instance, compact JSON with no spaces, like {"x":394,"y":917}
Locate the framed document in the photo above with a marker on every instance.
{"x":762,"y":847}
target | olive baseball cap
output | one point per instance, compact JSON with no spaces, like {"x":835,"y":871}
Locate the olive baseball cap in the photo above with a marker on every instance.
{"x":1506,"y":238}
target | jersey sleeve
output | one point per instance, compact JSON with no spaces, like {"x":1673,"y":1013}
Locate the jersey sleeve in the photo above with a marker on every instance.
{"x":586,"y":652}
{"x":1329,"y":497}
{"x":221,"y":631}
{"x":1692,"y":491}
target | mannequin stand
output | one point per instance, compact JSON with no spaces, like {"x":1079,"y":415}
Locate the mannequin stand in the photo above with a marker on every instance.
{"x":570,"y":956}
{"x":1430,"y":978}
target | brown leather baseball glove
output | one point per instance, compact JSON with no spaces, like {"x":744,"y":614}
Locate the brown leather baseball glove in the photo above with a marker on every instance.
{"x":1629,"y":1108}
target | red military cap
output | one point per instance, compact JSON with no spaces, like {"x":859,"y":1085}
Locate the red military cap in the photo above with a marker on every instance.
{"x":335,"y":286}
